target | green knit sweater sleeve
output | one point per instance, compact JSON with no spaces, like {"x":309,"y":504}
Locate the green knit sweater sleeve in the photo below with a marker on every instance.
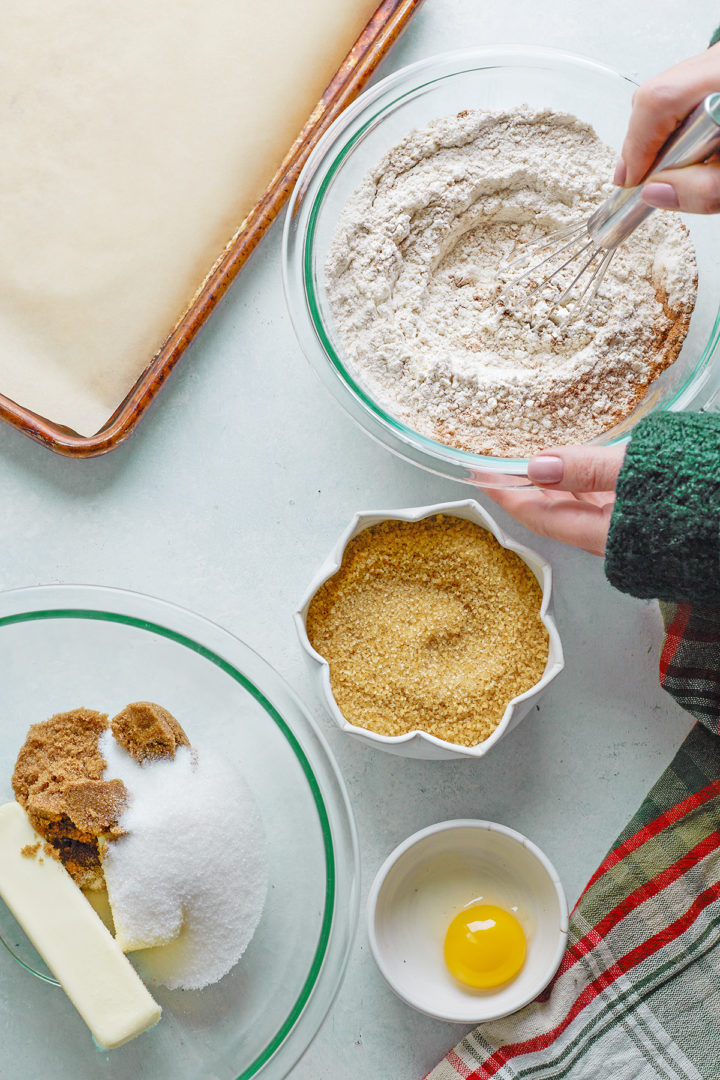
{"x":664,"y":539}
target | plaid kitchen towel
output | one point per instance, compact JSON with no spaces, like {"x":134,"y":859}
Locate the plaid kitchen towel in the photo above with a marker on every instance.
{"x":690,"y":661}
{"x":637,"y":996}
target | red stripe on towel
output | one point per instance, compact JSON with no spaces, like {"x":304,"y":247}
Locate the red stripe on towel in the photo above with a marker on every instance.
{"x":637,"y":897}
{"x":675,"y":634}
{"x":653,"y":828}
{"x":626,"y":963}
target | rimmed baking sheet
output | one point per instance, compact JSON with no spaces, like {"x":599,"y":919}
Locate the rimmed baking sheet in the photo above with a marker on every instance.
{"x":139,"y":139}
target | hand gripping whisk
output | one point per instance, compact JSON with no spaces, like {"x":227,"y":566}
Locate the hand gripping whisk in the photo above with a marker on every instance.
{"x":597,"y":239}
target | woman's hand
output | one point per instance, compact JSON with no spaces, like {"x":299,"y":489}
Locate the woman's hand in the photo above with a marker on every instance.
{"x":573,"y":498}
{"x":659,"y":106}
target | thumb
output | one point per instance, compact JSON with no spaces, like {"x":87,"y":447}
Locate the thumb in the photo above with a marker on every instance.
{"x":577,"y":468}
{"x":694,"y":189}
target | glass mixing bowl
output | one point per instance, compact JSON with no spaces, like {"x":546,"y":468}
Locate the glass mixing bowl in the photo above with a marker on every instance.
{"x":490,"y":78}
{"x":66,"y":646}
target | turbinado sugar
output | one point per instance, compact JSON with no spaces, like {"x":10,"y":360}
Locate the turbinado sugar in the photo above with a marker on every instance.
{"x":429,"y":626}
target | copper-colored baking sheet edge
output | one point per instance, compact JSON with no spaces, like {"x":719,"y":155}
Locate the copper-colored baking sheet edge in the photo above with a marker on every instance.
{"x":381,"y":32}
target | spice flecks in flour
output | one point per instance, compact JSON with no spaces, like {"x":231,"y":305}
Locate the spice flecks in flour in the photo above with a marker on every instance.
{"x":413,"y":282}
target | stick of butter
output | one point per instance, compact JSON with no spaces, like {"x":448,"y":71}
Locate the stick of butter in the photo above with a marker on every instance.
{"x":84,"y":957}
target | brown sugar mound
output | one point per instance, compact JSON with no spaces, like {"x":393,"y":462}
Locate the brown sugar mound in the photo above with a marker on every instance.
{"x":148,"y":731}
{"x":58,"y":779}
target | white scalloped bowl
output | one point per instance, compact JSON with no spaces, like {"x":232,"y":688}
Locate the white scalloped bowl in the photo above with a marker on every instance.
{"x":420,"y":744}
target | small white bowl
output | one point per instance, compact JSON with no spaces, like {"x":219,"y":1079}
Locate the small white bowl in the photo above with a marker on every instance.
{"x":432,"y":876}
{"x":420,"y":744}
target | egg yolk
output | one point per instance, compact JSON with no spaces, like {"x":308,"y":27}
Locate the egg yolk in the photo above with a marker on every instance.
{"x":484,"y":946}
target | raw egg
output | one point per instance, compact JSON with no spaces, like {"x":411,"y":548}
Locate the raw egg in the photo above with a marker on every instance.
{"x":484,"y":946}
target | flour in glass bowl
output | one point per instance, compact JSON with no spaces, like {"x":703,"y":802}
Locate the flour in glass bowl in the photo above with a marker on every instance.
{"x":414,"y":286}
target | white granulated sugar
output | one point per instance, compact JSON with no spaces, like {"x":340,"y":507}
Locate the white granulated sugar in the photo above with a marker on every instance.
{"x":413,"y":284}
{"x":191,"y":869}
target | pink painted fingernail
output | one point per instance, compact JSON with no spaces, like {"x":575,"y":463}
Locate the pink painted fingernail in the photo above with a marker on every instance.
{"x":620,"y":174}
{"x":663,"y":196}
{"x":546,"y":469}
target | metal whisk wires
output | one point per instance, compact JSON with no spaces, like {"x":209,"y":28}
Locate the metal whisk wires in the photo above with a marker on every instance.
{"x":576,"y":242}
{"x":597,"y":239}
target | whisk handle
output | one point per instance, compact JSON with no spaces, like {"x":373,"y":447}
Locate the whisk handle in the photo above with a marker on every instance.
{"x":694,"y":141}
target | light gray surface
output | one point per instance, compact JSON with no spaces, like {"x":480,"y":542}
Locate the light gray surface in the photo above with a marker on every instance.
{"x":238,"y":483}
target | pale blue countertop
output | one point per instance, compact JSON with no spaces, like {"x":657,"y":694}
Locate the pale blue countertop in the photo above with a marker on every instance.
{"x":239,"y":482}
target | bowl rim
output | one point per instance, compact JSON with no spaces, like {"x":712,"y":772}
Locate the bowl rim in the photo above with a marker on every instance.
{"x":336,"y":820}
{"x":481,"y":826}
{"x":298,"y":233}
{"x":555,"y":662}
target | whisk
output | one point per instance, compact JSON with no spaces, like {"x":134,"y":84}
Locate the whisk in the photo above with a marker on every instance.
{"x":597,"y":239}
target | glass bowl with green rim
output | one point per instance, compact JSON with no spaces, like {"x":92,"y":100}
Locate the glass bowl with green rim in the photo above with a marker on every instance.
{"x":495,"y":77}
{"x":62,"y":647}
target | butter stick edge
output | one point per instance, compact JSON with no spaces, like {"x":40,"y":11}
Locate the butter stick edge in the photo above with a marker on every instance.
{"x":72,"y":939}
